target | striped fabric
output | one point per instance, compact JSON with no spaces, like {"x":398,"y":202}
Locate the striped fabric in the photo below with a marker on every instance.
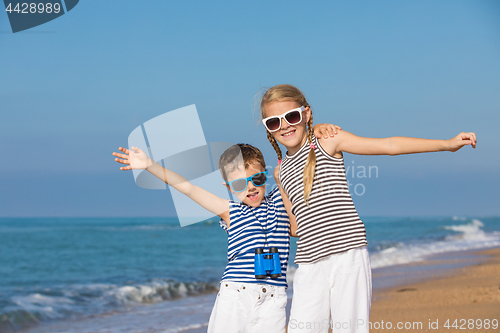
{"x":246,"y":233}
{"x":331,"y":223}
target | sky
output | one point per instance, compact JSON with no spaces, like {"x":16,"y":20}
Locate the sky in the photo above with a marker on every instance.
{"x":73,"y":89}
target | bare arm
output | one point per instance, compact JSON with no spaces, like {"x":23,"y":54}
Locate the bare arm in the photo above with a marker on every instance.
{"x":397,"y":145}
{"x":137,"y":159}
{"x":287,"y":204}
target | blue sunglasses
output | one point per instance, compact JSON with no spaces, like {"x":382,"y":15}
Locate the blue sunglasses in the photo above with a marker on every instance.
{"x":240,"y":184}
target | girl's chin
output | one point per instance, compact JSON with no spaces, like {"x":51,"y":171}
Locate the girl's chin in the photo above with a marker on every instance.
{"x":291,"y":140}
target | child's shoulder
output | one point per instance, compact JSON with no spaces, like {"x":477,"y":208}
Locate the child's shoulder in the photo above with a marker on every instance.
{"x":275,"y":198}
{"x":274,"y":195}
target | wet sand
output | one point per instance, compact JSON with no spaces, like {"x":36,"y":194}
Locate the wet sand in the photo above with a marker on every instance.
{"x":470,"y":295}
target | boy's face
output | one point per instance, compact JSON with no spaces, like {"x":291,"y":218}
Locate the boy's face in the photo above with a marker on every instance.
{"x":252,"y":195}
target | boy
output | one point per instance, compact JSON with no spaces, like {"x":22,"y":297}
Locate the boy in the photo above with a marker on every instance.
{"x":245,"y":303}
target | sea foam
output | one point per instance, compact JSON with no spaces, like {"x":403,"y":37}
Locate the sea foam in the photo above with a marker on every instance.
{"x":468,"y":236}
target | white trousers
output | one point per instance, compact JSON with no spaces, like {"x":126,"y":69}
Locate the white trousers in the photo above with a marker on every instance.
{"x":248,"y":308}
{"x":333,"y":293}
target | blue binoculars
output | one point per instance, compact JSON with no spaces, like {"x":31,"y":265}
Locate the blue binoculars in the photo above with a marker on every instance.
{"x":267,"y":264}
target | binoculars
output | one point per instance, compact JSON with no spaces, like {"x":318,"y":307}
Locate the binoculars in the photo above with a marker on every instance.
{"x":267,"y":264}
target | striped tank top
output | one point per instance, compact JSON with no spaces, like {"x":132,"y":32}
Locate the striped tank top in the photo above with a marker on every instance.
{"x":248,"y":229}
{"x":331,"y":223}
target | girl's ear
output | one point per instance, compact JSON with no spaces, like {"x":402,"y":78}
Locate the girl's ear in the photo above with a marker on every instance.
{"x":307,"y":116}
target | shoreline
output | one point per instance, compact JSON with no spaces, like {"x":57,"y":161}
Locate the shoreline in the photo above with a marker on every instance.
{"x":465,"y":293}
{"x":434,"y":267}
{"x":454,"y":285}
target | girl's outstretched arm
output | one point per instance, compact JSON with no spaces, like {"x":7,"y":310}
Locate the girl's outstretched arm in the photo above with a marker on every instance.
{"x":287,"y":204}
{"x":397,"y":145}
{"x":137,"y":159}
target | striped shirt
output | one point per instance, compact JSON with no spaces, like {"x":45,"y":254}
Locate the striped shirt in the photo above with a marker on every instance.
{"x":331,"y":223}
{"x":247,"y":232}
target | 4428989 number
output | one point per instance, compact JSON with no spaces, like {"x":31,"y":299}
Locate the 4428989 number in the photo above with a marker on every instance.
{"x":463,"y":324}
{"x":32,"y":8}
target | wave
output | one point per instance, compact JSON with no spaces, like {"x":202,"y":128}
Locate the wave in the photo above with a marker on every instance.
{"x":468,"y":236}
{"x":78,"y":300}
{"x":187,"y":328}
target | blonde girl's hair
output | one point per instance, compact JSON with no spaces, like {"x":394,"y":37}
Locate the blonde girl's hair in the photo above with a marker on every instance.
{"x":286,"y":92}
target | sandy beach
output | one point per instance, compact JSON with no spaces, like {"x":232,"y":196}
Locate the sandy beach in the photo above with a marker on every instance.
{"x":441,"y":292}
{"x":470,"y":295}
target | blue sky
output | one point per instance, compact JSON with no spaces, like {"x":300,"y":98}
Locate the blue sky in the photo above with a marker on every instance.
{"x":74,"y":88}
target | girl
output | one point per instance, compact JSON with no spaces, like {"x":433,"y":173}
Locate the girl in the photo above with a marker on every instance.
{"x":332,"y":285}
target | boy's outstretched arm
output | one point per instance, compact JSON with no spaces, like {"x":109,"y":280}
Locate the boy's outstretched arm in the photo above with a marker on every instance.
{"x":287,"y":204}
{"x":325,"y":130}
{"x":137,"y":159}
{"x":350,"y":143}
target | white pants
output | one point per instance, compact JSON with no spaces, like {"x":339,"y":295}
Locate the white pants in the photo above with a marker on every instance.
{"x":334,"y":292}
{"x":248,"y":308}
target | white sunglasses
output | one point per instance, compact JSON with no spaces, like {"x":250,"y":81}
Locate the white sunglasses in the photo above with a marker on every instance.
{"x":293,"y":117}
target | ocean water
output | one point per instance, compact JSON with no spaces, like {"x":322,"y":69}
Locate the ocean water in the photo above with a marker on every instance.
{"x":151,"y":275}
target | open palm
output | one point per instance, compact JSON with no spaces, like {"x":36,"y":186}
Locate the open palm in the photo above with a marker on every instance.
{"x":136,"y":158}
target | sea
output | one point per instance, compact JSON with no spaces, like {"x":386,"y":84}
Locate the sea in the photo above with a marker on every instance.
{"x":136,"y":274}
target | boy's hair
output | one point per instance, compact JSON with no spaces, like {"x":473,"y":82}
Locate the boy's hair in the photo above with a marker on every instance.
{"x":286,"y":92}
{"x":229,"y":160}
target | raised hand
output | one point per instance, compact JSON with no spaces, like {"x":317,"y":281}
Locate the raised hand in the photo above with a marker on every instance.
{"x":463,"y":139}
{"x":135,"y":158}
{"x":323,"y":130}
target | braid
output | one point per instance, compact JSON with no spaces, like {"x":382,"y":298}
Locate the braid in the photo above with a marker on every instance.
{"x":310,"y":129}
{"x":275,"y":145}
{"x":310,"y":166}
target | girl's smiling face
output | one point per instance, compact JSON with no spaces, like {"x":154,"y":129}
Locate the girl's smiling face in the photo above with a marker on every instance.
{"x":291,"y":136}
{"x":252,"y":195}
